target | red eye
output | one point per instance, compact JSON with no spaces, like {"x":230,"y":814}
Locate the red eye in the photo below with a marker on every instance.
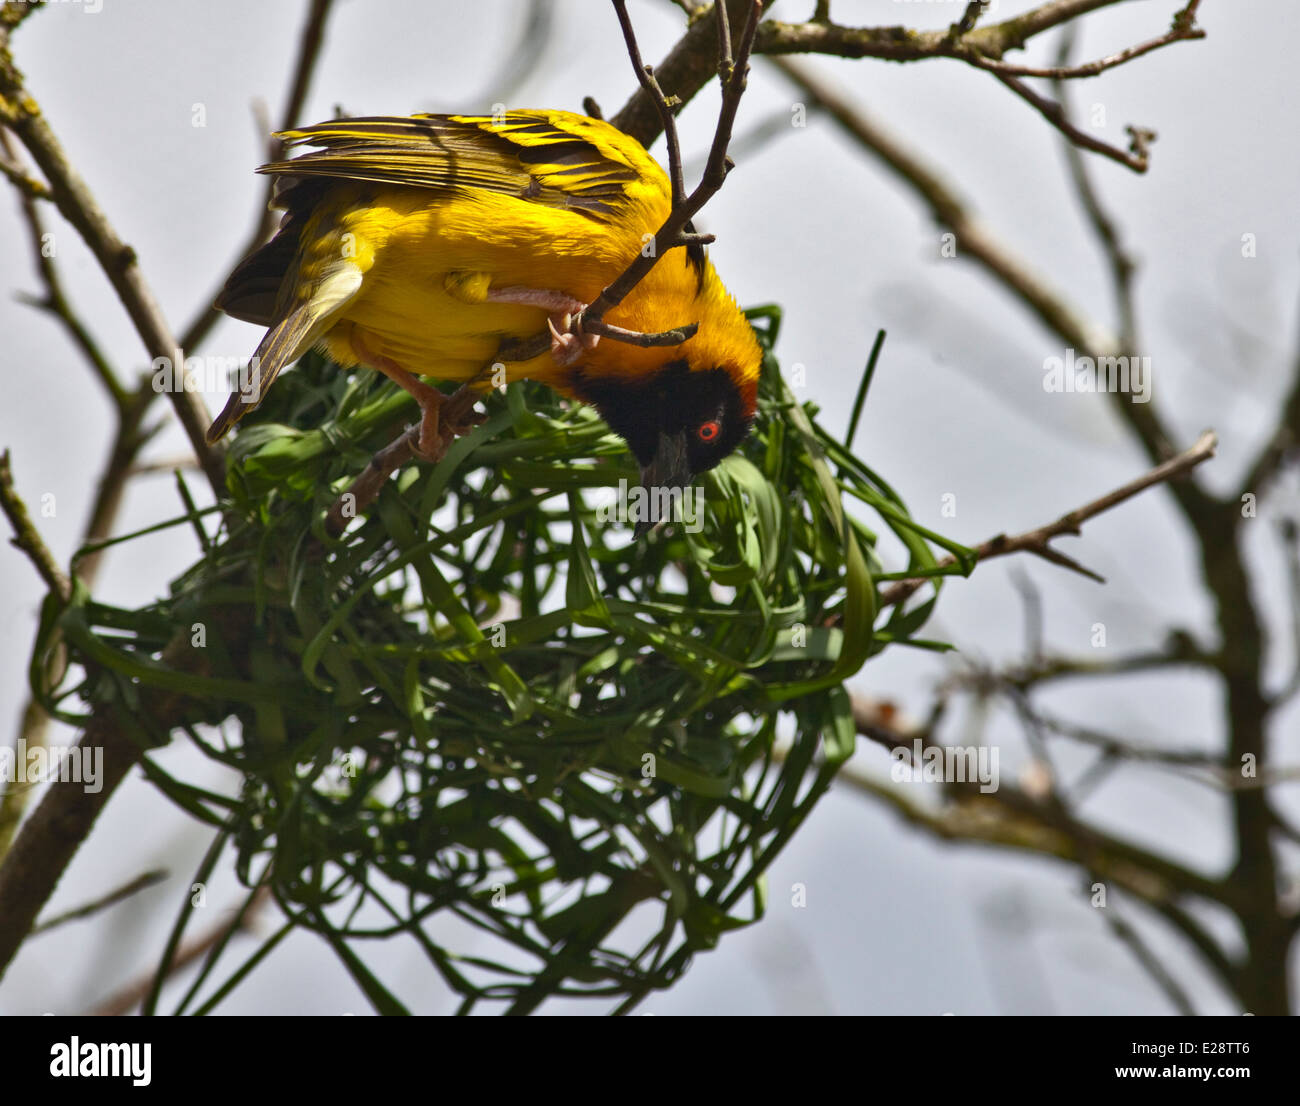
{"x":709,"y":430}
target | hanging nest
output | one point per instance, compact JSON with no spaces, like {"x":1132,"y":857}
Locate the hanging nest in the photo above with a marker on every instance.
{"x":488,"y":719}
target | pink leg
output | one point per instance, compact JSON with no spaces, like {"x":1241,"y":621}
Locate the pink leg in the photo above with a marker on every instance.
{"x":428,"y":397}
{"x":566,"y":347}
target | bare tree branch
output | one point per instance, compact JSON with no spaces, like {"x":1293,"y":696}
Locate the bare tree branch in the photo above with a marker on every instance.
{"x":1136,"y":158}
{"x":1183,"y":29}
{"x":1036,"y":541}
{"x":992,"y":40}
{"x":27,"y":537}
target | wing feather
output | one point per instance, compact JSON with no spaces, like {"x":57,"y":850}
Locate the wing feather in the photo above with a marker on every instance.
{"x":550,"y":158}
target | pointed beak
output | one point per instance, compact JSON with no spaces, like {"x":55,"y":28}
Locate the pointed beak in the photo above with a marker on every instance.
{"x":669,"y":468}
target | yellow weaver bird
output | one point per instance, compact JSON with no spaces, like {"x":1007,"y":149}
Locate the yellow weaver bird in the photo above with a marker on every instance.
{"x":415,"y":246}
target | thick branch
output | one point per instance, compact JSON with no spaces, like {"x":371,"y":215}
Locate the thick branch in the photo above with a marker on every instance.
{"x":902,"y":44}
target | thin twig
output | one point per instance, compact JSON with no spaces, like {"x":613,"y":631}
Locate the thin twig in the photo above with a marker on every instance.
{"x":1122,"y":266}
{"x":28,"y":185}
{"x":1179,"y":650}
{"x":646,"y":75}
{"x":1183,"y":29}
{"x":1146,"y":957}
{"x":669,"y":236}
{"x":1032,"y":601}
{"x":1135,"y":158}
{"x":1026,"y":823}
{"x":1036,"y":541}
{"x":894,"y":43}
{"x":636,"y":337}
{"x":27,"y":537}
{"x":984,"y":48}
{"x":55,"y":302}
{"x":1282,"y":443}
{"x":140,"y":883}
{"x":162,"y":465}
{"x":725,"y":62}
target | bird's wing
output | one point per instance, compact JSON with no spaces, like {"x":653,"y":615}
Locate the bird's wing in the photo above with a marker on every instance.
{"x":546,"y":157}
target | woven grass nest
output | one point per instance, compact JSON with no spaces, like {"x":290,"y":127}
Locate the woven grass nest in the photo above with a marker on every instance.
{"x":489,"y":721}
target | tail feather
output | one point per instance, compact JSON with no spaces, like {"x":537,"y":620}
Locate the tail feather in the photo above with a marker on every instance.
{"x":287,"y":340}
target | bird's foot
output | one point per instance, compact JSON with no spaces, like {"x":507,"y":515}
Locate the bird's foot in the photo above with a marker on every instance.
{"x":566,"y":346}
{"x":443,"y":420}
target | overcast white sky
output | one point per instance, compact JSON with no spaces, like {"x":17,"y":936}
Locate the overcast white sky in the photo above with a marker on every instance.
{"x":893,"y":923}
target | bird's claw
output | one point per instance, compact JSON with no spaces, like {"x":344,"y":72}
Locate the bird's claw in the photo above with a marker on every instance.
{"x":567,"y":347}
